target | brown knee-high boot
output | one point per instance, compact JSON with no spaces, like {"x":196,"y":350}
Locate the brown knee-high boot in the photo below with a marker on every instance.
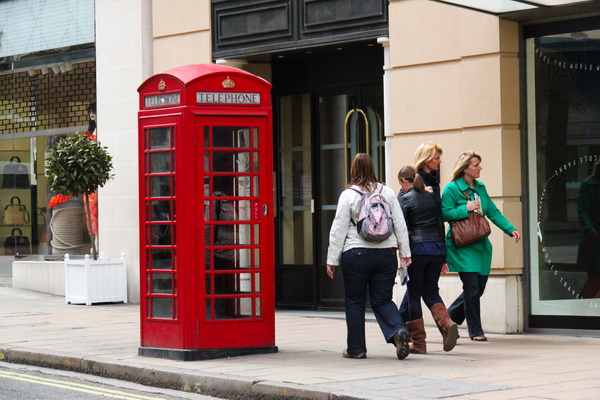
{"x":447,"y":327}
{"x":416,"y":329}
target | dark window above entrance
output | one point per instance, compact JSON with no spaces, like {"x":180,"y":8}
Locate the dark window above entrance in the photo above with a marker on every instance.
{"x":259,"y":26}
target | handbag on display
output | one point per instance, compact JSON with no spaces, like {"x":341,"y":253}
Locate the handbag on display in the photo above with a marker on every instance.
{"x":15,"y":174}
{"x":16,"y":243}
{"x":471,"y":229}
{"x":16,"y":213}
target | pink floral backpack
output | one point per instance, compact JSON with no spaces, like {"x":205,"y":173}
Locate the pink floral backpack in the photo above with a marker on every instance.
{"x":374,"y":215}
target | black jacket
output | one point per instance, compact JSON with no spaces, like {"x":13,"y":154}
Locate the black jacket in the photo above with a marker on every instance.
{"x":432,"y":179}
{"x":423,"y":215}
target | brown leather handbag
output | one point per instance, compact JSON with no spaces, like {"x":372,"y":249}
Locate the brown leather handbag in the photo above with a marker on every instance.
{"x":471,"y":229}
{"x":16,"y":213}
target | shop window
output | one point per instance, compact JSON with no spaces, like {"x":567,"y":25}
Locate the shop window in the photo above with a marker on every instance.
{"x":38,"y":106}
{"x":563,"y":102}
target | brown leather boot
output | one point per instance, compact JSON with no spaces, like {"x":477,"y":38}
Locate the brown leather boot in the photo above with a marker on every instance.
{"x":447,"y":327}
{"x":416,"y":329}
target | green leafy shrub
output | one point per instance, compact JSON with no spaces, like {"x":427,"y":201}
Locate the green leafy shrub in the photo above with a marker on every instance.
{"x":78,"y":166}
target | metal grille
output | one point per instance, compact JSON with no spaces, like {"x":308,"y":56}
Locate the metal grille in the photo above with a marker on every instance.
{"x":46,"y":101}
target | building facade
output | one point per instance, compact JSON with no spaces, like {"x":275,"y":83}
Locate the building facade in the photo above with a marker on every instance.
{"x":382,"y":77}
{"x":47,"y":88}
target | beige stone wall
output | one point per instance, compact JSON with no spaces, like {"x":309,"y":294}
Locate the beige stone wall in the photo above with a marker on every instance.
{"x":455,"y":80}
{"x":181,"y":32}
{"x":123,"y":62}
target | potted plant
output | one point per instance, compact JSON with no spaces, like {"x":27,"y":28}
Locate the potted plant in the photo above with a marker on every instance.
{"x":78,"y":166}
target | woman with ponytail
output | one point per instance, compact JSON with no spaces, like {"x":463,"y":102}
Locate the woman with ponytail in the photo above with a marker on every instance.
{"x":423,"y":216}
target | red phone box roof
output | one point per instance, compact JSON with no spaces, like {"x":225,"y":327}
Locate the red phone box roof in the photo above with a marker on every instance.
{"x":204,"y":85}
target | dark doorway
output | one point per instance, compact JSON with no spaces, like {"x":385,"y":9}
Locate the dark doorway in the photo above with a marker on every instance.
{"x":329,"y":106}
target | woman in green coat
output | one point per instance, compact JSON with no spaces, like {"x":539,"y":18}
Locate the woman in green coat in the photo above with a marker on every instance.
{"x":472,"y":262}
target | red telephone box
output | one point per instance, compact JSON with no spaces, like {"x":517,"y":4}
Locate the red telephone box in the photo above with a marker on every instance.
{"x":206,"y":214}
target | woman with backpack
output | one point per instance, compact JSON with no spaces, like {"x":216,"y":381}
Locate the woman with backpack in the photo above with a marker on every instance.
{"x":423,"y":215}
{"x":368,"y":266}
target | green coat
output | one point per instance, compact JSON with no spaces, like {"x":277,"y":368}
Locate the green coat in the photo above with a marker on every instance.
{"x":476,"y":257}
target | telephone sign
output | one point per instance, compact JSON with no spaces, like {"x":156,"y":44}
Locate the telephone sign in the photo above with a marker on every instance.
{"x":227,"y":98}
{"x":161,"y":100}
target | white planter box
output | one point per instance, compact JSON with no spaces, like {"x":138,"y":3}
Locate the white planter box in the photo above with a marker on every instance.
{"x":41,"y":276}
{"x":90,"y":281}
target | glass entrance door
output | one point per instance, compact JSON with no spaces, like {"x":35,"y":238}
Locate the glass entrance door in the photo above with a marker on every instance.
{"x":295,"y":271}
{"x":320,"y":133}
{"x":563,"y":86}
{"x":349,"y":123}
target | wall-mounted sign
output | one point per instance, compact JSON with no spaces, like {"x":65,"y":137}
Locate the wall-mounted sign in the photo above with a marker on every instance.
{"x":227,"y":98}
{"x":162,"y":100}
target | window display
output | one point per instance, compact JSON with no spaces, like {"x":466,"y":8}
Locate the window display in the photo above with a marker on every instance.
{"x":33,"y":118}
{"x":563,"y":102}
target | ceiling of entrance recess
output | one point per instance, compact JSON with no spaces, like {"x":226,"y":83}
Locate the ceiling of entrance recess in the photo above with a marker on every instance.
{"x":502,"y":7}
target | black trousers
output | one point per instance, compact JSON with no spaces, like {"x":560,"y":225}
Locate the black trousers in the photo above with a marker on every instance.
{"x":369,"y":271}
{"x":467,"y":305}
{"x":424,"y":273}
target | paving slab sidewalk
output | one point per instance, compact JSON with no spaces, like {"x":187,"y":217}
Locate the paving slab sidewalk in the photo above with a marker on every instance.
{"x":40,"y":329}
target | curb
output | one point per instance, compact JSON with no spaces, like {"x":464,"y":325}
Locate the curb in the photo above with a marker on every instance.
{"x":224,"y":386}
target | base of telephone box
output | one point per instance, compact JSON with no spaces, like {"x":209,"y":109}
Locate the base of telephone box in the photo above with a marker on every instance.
{"x":203,"y":354}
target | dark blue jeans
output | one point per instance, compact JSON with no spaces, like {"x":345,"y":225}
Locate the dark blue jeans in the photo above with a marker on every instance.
{"x":372,"y":271}
{"x":424,"y":273}
{"x":467,"y":304}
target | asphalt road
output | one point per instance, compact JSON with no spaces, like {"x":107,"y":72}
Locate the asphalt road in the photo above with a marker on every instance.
{"x":21,"y":382}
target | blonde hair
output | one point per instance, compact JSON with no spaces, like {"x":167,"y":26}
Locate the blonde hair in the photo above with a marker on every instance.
{"x":425,"y":153}
{"x":463,"y":162}
{"x":410,"y":173}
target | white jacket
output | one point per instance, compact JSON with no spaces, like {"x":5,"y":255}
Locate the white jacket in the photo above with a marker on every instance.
{"x":344,"y":235}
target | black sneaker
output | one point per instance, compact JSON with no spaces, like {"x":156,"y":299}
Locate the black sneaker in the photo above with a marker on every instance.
{"x":401,"y":339}
{"x":345,"y":354}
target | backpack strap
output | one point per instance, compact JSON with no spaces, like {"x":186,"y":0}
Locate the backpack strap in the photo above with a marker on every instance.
{"x":357,"y":190}
{"x":378,"y":189}
{"x":380,"y":186}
